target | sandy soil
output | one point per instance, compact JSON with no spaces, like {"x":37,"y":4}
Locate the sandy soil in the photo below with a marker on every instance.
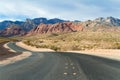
{"x":32,"y":48}
{"x":106,"y":53}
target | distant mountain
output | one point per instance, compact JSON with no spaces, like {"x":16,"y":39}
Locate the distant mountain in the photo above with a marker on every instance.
{"x":29,"y":23}
{"x":55,"y":20}
{"x":109,"y":21}
{"x":26,"y":25}
{"x":12,"y":31}
{"x":6,"y":24}
{"x":101,"y":22}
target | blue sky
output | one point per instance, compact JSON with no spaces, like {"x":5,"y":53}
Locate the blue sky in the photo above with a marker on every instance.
{"x":63,"y":9}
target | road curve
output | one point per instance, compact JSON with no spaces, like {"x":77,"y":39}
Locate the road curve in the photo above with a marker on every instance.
{"x":60,"y":66}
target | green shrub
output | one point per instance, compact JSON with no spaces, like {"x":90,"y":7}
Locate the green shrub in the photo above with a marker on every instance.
{"x":117,"y":45}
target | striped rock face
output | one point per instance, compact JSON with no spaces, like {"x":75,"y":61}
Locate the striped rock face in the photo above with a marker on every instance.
{"x":56,"y":28}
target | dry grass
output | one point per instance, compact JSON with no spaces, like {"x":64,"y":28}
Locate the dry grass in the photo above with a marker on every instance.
{"x":3,"y":39}
{"x":76,"y":41}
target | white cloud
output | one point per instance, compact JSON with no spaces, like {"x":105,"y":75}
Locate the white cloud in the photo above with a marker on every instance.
{"x":16,"y":9}
{"x":71,"y":9}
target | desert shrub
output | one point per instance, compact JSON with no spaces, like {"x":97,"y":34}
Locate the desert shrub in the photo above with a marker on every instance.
{"x":76,"y":41}
{"x":53,"y":35}
{"x":41,"y":41}
{"x":43,"y":46}
{"x":27,"y":42}
{"x":116,"y":45}
{"x":76,"y":47}
{"x":55,"y":48}
{"x":55,"y":41}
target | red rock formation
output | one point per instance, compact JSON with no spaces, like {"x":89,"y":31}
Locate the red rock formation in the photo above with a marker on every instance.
{"x":56,"y":28}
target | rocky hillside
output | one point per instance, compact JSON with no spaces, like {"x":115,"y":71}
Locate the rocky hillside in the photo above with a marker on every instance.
{"x":42,"y":25}
{"x":12,"y":31}
{"x":56,"y":28}
{"x":100,"y":24}
{"x":6,"y":24}
{"x":105,"y":22}
{"x":109,"y":21}
{"x":29,"y":24}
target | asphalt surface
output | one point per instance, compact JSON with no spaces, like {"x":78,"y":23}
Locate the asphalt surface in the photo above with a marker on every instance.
{"x":60,"y":66}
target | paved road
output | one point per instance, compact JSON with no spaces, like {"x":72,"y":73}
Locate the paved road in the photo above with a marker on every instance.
{"x":60,"y":66}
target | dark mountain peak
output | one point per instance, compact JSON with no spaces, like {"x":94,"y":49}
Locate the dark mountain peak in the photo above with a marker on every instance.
{"x":55,"y":20}
{"x":28,"y":20}
{"x":7,"y":21}
{"x":5,"y":24}
{"x":76,"y":21}
{"x":113,"y":21}
{"x":18,"y":22}
{"x":39,"y":20}
{"x":108,"y":20}
{"x":110,"y":17}
{"x":100,"y":19}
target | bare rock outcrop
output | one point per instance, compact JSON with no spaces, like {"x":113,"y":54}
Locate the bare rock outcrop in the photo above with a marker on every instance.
{"x":56,"y":28}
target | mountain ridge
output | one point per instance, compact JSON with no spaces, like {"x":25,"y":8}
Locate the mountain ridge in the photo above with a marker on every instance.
{"x":35,"y":21}
{"x":44,"y":25}
{"x":25,"y":26}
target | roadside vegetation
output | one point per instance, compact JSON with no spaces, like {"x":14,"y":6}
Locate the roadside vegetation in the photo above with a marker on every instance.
{"x":4,"y":39}
{"x":75,"y":41}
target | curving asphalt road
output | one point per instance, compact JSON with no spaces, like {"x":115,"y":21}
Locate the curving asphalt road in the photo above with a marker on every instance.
{"x":60,"y":66}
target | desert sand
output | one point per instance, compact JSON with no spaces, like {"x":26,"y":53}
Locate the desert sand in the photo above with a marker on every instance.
{"x":106,"y":53}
